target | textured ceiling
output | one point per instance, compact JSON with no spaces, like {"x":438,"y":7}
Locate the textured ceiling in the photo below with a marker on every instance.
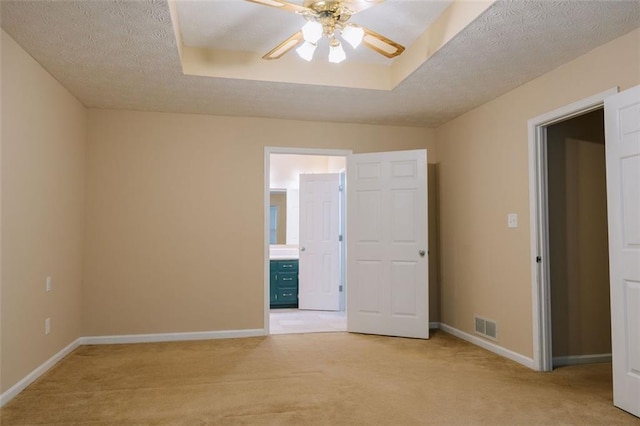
{"x":123,"y":55}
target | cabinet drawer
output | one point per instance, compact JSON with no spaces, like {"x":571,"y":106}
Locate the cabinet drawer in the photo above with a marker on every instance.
{"x":288,"y":265}
{"x":288,"y":279}
{"x":288,"y":295}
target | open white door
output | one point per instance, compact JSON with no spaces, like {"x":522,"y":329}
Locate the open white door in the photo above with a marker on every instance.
{"x":622,"y":128}
{"x":319,"y":274}
{"x":387,"y":263}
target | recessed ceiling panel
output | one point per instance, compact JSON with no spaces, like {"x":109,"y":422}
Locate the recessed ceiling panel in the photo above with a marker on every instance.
{"x":249,"y":27}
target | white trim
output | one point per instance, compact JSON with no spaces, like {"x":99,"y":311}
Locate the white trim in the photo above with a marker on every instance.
{"x":540,"y":290}
{"x":308,"y":151}
{"x":268,"y":150}
{"x":14,"y":390}
{"x":560,"y":361}
{"x":170,"y":337}
{"x":492,"y":347}
{"x":265,"y":238}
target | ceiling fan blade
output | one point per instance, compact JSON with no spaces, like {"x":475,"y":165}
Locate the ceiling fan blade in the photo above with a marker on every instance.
{"x":280,"y":4}
{"x":285,"y":46}
{"x":356,"y":6}
{"x":381,"y":44}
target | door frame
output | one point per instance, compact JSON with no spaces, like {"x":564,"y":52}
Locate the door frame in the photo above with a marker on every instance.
{"x":539,"y":220}
{"x":268,"y":150}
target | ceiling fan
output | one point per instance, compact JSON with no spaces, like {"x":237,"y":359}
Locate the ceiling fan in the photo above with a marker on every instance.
{"x":329,"y":18}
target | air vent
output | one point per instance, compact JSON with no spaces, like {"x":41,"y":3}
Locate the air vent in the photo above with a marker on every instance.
{"x":486,"y":328}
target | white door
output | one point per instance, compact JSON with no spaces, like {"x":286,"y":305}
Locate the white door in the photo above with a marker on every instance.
{"x":319,"y":274}
{"x":622,"y":128}
{"x":387,"y":260}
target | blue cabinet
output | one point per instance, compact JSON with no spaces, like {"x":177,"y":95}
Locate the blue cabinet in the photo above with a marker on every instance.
{"x":284,"y":283}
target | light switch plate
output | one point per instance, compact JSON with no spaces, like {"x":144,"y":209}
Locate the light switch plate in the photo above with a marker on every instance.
{"x":48,"y":284}
{"x":512,"y":220}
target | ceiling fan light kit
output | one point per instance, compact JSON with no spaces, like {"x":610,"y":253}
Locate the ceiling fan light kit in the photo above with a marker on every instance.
{"x":312,"y":31}
{"x":336,"y":52}
{"x":353,"y":35}
{"x":306,"y":50}
{"x":328,"y":18}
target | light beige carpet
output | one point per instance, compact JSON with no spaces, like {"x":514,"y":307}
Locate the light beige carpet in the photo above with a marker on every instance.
{"x":312,"y":379}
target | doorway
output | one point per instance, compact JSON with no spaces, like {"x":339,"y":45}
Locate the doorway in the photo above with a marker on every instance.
{"x":622,"y":151}
{"x":387,"y":284}
{"x":285,"y":169}
{"x":541,"y":275}
{"x":578,"y":240}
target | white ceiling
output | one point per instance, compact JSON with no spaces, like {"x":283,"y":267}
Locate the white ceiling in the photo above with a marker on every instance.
{"x":123,"y":55}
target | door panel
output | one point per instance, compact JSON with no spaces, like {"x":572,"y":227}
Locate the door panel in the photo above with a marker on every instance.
{"x":368,"y":288}
{"x":403,"y":294}
{"x":622,"y":128}
{"x":387,"y":279}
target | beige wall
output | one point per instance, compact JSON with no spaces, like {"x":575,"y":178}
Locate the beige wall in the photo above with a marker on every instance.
{"x":43,"y":165}
{"x":486,"y":268}
{"x":174,"y":230}
{"x":581,"y":317}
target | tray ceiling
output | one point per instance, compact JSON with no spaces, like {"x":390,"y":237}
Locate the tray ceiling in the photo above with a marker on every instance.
{"x":238,"y":26}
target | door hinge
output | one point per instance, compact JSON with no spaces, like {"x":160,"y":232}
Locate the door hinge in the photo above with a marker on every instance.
{"x":340,"y":188}
{"x":339,"y":237}
{"x":340,"y":288}
{"x":538,"y":259}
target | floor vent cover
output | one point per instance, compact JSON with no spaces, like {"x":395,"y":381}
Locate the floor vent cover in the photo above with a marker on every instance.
{"x":486,"y":328}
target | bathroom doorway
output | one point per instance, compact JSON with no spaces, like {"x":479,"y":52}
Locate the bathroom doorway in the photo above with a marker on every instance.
{"x":300,"y":271}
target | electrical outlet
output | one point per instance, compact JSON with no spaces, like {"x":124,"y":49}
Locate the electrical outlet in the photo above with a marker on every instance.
{"x":512,"y":220}
{"x":47,"y":326}
{"x":48,"y":284}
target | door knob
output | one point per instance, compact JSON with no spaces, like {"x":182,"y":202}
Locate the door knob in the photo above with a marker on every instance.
{"x":421,"y":253}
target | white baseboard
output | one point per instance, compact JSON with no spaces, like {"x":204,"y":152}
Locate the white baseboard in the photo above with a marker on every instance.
{"x":14,"y":390}
{"x":492,"y":347}
{"x":170,"y":337}
{"x":560,"y":361}
{"x":434,"y":325}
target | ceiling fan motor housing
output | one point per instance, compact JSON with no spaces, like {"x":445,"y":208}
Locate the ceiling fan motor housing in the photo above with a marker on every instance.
{"x":331,"y":14}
